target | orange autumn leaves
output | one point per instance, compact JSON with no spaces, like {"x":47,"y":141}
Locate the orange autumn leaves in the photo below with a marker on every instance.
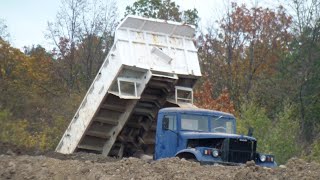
{"x":204,"y":99}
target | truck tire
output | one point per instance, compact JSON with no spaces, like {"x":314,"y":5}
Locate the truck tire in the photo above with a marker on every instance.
{"x":187,"y":156}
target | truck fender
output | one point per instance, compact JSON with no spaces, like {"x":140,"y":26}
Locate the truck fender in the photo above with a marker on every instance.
{"x":189,"y":152}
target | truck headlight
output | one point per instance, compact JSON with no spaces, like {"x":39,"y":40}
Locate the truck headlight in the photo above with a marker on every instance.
{"x":215,"y":153}
{"x":263,"y":158}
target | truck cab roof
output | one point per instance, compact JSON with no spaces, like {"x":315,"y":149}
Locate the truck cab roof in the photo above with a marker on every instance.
{"x":196,"y":111}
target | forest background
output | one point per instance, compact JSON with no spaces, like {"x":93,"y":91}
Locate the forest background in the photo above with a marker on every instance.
{"x":260,"y":63}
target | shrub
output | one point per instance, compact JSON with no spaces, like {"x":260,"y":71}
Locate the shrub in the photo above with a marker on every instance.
{"x":278,"y":137}
{"x":255,"y":117}
{"x":283,"y":140}
{"x":17,"y":132}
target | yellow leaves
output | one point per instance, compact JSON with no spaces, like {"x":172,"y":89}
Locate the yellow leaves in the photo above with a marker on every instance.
{"x":32,"y":71}
{"x":9,"y":59}
{"x":18,"y":132}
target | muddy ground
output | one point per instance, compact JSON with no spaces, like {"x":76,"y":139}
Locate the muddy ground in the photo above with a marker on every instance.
{"x":50,"y":165}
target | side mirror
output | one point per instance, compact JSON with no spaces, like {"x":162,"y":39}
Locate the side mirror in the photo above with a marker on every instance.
{"x":250,"y":131}
{"x":165,"y":123}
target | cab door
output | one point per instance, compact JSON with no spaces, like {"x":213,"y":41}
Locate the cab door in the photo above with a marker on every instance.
{"x":167,"y":136}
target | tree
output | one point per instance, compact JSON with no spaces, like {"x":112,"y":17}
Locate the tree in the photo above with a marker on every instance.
{"x":283,"y":141}
{"x":33,"y":106}
{"x":278,"y":136}
{"x":204,"y":99}
{"x":253,"y":116}
{"x":11,"y":60}
{"x":305,"y":13}
{"x":300,"y":71}
{"x":245,"y":49}
{"x":4,"y":34}
{"x":41,"y":75}
{"x":165,"y":9}
{"x":82,"y":35}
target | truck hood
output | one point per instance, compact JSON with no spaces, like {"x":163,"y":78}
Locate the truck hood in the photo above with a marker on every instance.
{"x":205,"y":135}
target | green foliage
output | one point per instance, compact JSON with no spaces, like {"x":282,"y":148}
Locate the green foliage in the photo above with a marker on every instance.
{"x":299,"y":79}
{"x":315,"y":152}
{"x":146,"y":8}
{"x":165,"y":9}
{"x":277,"y":137}
{"x":190,"y":16}
{"x":284,"y":135}
{"x":255,"y":117}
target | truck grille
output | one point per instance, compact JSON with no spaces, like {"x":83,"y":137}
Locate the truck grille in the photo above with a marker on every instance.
{"x":238,"y":150}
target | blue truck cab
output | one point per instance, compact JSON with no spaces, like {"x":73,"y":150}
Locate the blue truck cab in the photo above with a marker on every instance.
{"x":206,"y":136}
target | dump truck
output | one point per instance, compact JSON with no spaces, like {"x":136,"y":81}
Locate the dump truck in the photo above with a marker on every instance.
{"x":153,"y":64}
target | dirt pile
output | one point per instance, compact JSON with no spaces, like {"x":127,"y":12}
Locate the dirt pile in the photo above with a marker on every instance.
{"x":90,"y":166}
{"x":16,"y":163}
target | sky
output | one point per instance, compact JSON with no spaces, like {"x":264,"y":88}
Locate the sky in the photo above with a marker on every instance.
{"x":27,"y":19}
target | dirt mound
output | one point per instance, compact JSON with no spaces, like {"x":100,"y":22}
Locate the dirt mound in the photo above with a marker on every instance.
{"x":13,"y":150}
{"x":90,"y":166}
{"x":81,"y":156}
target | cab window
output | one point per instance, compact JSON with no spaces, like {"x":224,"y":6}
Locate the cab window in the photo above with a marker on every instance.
{"x":170,"y":122}
{"x":194,"y":122}
{"x":222,"y":125}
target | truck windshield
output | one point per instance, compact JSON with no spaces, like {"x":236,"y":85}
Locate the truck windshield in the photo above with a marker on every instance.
{"x":194,"y":122}
{"x":223,"y":125}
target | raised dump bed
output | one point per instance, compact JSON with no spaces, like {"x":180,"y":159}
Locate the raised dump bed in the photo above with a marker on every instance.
{"x":152,"y":64}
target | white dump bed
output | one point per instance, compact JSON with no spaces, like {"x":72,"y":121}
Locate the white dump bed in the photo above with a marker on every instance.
{"x":150,"y":62}
{"x":158,"y":45}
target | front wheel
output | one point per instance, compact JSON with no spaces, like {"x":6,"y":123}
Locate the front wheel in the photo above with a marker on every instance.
{"x":188,"y":156}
